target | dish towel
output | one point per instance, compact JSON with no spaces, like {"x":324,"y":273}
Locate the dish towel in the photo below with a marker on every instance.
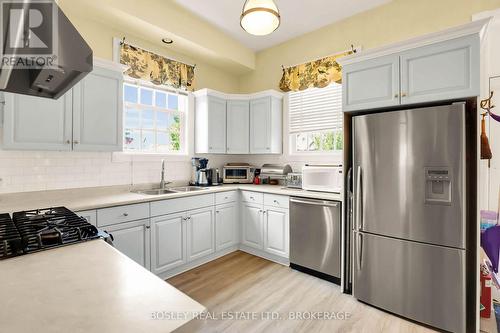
{"x":490,"y":242}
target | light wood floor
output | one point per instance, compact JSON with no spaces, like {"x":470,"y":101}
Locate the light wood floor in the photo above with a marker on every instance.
{"x":240,"y":282}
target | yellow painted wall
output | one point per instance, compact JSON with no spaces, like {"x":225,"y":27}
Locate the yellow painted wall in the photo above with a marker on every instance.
{"x":396,"y":21}
{"x":100,"y":39}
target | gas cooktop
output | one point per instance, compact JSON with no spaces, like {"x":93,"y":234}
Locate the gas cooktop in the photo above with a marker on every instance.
{"x":41,"y":229}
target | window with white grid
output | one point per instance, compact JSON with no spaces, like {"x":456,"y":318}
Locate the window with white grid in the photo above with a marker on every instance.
{"x":154,"y":119}
{"x":316,"y":120}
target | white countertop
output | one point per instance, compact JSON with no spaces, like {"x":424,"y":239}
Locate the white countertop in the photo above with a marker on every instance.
{"x":87,"y":287}
{"x":100,"y":197}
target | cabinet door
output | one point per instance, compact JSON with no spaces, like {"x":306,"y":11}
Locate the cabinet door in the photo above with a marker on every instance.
{"x":442,"y":71}
{"x":252,"y":225}
{"x":276,"y":231}
{"x":200,"y":233}
{"x":371,"y":84}
{"x":238,"y":127}
{"x":132,"y":239}
{"x":260,"y":126}
{"x":98,"y":112}
{"x":36,"y":123}
{"x":226,"y":222}
{"x":168,"y":242}
{"x":216,"y":125}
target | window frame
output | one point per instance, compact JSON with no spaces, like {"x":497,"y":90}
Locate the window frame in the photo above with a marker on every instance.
{"x":184,"y":116}
{"x":291,"y":139}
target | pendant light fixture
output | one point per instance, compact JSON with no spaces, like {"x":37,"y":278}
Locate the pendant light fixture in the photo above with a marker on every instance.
{"x":260,"y":17}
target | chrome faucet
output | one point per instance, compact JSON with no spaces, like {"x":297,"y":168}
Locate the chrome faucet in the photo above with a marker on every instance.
{"x":163,"y":182}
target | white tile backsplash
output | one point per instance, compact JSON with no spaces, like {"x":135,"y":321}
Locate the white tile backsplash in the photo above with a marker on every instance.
{"x":22,"y":171}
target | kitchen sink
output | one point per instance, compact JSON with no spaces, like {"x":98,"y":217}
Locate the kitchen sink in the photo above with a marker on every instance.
{"x":187,"y":188}
{"x":158,"y":191}
{"x":171,"y":190}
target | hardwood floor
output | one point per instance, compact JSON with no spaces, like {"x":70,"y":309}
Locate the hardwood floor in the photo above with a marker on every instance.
{"x":242,"y":284}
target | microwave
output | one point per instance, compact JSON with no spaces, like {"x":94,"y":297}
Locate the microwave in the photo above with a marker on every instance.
{"x":237,"y":173}
{"x":323,"y":178}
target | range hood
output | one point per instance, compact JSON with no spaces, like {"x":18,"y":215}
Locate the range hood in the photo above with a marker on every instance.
{"x":73,"y":56}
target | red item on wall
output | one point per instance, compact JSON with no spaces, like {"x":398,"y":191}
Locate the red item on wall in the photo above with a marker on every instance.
{"x":486,"y":294}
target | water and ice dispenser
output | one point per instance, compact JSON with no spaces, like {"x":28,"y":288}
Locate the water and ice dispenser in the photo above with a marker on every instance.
{"x":438,"y":186}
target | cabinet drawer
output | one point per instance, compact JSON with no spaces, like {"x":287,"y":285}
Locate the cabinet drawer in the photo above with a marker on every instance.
{"x":165,"y":207}
{"x":253,"y":197}
{"x":226,"y":197}
{"x":120,"y":214}
{"x":274,"y":200}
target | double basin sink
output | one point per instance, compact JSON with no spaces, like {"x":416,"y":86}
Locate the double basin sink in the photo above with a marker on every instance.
{"x":169,"y":190}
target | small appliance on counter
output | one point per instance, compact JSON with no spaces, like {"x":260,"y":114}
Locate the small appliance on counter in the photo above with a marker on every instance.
{"x":214,"y":177}
{"x":322,"y":178}
{"x":294,"y":180}
{"x":237,"y":173}
{"x":199,"y":172}
{"x":274,"y":174}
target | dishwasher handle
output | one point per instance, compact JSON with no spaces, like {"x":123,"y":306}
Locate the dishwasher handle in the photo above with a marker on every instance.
{"x":315,"y":202}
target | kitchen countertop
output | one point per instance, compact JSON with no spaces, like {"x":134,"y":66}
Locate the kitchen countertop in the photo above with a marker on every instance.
{"x":87,"y":287}
{"x":101,"y":197}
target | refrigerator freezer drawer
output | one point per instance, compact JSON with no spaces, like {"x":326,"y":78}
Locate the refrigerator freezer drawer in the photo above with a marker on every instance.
{"x":422,"y":282}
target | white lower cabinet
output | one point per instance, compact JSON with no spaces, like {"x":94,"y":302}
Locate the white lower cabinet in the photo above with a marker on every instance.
{"x":266,"y":227}
{"x":276,"y":231}
{"x":200,"y":233}
{"x":168,"y":242}
{"x":251,"y":225}
{"x":226,"y":226}
{"x":132,"y":239}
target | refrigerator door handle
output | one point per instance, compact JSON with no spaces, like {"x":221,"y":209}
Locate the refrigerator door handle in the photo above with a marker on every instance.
{"x":358,"y":217}
{"x":359,"y":250}
{"x":349,"y":199}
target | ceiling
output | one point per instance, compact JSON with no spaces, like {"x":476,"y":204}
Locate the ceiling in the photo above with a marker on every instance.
{"x":297,"y":17}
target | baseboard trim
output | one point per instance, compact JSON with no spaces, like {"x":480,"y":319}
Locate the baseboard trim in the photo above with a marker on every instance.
{"x":198,"y":262}
{"x":265,"y":255}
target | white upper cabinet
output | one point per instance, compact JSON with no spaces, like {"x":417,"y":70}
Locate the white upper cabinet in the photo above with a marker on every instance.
{"x":238,"y":124}
{"x":98,"y":112}
{"x":442,"y":66}
{"x":35,"y":123}
{"x":371,"y":84}
{"x":86,"y":118}
{"x":210,"y":125}
{"x":238,"y":127}
{"x":266,"y":126}
{"x":441,"y":71}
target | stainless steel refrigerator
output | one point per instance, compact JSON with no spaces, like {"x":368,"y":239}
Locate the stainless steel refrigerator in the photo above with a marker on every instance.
{"x":409,"y":213}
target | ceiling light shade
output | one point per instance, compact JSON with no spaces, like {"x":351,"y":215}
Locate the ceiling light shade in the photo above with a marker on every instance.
{"x":260,"y":17}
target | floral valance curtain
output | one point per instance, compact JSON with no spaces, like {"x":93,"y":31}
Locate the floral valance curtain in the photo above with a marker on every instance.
{"x":318,"y":73}
{"x":152,"y":67}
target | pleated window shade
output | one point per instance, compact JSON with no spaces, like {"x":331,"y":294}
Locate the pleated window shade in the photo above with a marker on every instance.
{"x":316,"y":109}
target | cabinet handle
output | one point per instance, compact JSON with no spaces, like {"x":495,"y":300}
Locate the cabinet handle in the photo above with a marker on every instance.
{"x":148,"y":227}
{"x":68,"y":142}
{"x":396,"y":96}
{"x":403,"y":95}
{"x":252,"y":198}
{"x":276,"y":202}
{"x":267,"y":148}
{"x":125,"y":214}
{"x":217,"y":212}
{"x":76,"y":142}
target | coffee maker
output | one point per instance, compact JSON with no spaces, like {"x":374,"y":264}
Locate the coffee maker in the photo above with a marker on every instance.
{"x":199,"y":171}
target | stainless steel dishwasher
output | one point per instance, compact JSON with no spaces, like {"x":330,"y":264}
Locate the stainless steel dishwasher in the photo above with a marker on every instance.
{"x":315,"y":237}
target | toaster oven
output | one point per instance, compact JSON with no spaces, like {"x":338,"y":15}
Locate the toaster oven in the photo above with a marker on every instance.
{"x":237,"y":173}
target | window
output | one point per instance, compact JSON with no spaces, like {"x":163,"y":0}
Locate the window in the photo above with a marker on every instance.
{"x":154,"y":119}
{"x":315,"y":120}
